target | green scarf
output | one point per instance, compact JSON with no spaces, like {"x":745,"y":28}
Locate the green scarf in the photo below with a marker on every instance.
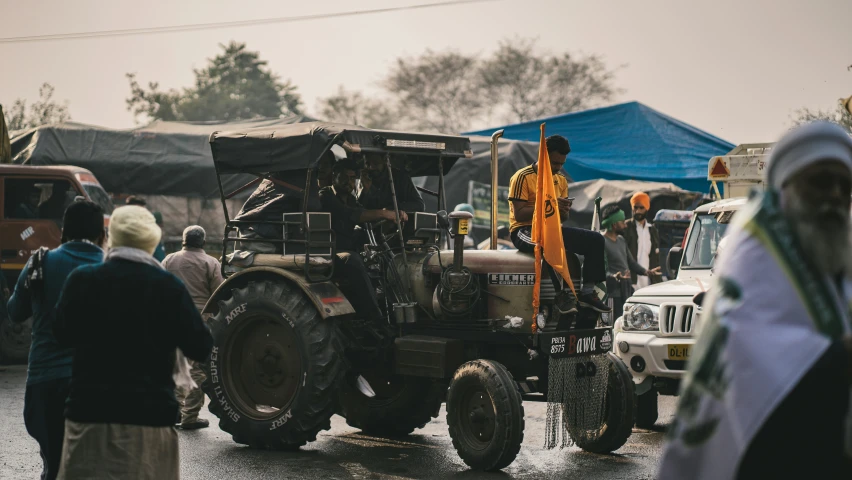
{"x":614,"y":217}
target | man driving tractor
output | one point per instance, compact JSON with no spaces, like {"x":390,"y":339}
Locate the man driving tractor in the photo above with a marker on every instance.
{"x":376,"y":188}
{"x":522,"y":188}
{"x":346,"y":214}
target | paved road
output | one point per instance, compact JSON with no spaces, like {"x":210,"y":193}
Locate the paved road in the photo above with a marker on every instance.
{"x":343,"y":453}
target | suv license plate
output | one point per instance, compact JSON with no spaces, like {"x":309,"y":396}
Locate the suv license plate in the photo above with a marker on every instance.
{"x":679,"y":352}
{"x":576,"y":343}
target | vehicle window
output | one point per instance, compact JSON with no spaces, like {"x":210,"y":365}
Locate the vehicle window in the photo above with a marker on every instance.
{"x":99,"y":196}
{"x":703,"y":240}
{"x":43,"y":198}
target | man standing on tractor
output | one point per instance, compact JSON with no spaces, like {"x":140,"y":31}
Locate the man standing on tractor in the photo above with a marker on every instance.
{"x":522,"y":188}
{"x":376,"y":191}
{"x":346,"y":213}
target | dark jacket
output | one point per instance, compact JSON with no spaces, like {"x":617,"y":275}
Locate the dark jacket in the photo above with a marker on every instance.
{"x":125,"y":320}
{"x":379,"y":195}
{"x":48,"y":360}
{"x":270,"y":201}
{"x":345,"y":214}
{"x":632,"y":236}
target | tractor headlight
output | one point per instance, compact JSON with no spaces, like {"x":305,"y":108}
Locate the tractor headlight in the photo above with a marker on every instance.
{"x":541,"y":318}
{"x":641,"y":317}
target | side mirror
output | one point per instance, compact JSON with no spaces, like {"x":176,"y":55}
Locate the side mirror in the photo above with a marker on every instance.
{"x":673,"y":260}
{"x":443,"y":219}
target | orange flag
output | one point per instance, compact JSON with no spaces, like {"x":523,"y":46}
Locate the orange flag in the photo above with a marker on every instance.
{"x":546,"y":225}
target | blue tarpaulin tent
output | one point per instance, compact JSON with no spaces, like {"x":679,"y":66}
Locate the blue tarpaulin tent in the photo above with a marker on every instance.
{"x":628,"y":141}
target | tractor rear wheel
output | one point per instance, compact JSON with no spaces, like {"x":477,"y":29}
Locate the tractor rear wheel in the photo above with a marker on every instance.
{"x":275,"y":369}
{"x":619,"y":413}
{"x":401,"y":405}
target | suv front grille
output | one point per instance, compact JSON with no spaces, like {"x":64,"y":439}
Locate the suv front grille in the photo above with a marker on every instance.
{"x":677,"y":319}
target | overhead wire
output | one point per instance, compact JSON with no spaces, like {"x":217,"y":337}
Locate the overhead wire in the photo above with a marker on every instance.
{"x":231,"y":24}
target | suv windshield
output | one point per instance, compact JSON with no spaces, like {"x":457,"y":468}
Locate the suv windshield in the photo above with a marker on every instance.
{"x":99,"y":196}
{"x":704,"y":237}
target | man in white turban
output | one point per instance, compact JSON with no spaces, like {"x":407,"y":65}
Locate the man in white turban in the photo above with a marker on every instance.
{"x":125,"y":319}
{"x":766,"y":394}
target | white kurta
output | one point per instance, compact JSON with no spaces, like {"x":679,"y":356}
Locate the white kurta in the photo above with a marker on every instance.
{"x":643,"y":252}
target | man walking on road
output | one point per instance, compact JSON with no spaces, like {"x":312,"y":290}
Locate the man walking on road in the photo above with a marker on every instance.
{"x":36,"y":294}
{"x":202,"y":275}
{"x":643,"y":241}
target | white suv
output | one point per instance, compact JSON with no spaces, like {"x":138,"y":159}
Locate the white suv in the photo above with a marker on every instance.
{"x":656,"y":332}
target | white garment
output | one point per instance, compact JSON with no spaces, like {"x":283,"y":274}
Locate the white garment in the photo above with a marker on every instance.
{"x":737,"y":374}
{"x":643,"y":252}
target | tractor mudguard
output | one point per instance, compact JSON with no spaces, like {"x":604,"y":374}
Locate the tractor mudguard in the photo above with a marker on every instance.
{"x":326,"y":297}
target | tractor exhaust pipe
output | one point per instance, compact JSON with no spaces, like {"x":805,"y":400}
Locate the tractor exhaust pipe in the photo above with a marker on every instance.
{"x":495,"y":137}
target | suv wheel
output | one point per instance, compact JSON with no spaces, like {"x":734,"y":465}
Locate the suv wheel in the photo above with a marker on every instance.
{"x":646,"y":409}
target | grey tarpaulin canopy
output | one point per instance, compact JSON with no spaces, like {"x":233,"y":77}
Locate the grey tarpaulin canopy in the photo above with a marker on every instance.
{"x":298,"y":147}
{"x":169,"y":163}
{"x":162,"y":158}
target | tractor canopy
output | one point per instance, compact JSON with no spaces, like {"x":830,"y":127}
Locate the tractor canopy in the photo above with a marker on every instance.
{"x":290,"y":148}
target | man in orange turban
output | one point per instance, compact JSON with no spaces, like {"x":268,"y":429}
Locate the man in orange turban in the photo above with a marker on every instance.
{"x":643,"y":241}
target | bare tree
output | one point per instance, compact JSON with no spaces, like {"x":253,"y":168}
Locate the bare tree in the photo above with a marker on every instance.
{"x":43,"y":112}
{"x":839,"y":115}
{"x":354,"y":108}
{"x":437,"y":91}
{"x":529,"y":85}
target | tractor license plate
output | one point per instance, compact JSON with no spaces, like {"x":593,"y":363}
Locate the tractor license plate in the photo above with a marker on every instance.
{"x":679,"y":352}
{"x":463,"y":226}
{"x":576,"y":343}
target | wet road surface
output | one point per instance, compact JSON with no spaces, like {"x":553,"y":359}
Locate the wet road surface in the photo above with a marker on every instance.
{"x":344,"y":453}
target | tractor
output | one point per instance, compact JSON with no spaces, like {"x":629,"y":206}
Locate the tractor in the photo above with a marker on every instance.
{"x":290,"y":350}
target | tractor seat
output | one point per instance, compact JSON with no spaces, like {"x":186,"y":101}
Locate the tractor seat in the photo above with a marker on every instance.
{"x":245,"y":259}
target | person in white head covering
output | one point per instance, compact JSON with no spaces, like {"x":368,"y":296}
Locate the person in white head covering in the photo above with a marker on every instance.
{"x":767,"y":391}
{"x":126,"y":318}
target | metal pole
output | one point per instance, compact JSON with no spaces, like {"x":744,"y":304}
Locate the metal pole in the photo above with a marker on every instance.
{"x":398,"y":219}
{"x":495,"y":137}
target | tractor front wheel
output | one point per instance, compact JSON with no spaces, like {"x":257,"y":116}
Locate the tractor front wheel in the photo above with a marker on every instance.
{"x":485,"y":415}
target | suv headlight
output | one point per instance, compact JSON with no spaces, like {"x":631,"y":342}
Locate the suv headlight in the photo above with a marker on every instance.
{"x":641,"y":317}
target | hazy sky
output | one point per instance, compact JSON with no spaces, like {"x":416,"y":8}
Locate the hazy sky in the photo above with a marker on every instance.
{"x":736,"y":68}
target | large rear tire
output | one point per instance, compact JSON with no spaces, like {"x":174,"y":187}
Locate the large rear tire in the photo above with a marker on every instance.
{"x":619,"y":413}
{"x":15,"y":340}
{"x":275,"y":369}
{"x":401,"y":405}
{"x":485,"y":415}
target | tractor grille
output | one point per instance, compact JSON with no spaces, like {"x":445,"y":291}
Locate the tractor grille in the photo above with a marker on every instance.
{"x":677,"y":319}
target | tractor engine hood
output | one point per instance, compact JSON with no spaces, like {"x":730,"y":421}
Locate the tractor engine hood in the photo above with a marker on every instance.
{"x":487,"y":261}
